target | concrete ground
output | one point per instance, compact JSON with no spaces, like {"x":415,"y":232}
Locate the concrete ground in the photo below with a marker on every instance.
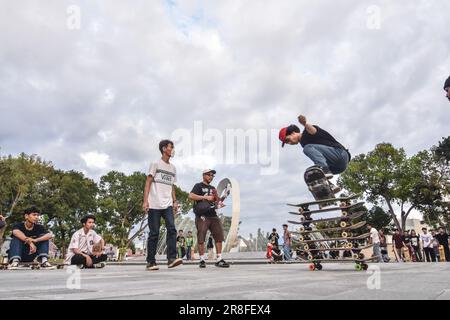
{"x":242,"y":281}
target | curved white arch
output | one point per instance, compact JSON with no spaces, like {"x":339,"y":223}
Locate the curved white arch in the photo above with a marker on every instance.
{"x":231,"y":183}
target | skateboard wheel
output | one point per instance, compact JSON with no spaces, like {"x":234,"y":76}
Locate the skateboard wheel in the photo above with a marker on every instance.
{"x":301,"y":238}
{"x":60,"y":267}
{"x":319,"y":267}
{"x":344,"y":234}
{"x":306,"y":247}
{"x":361,"y":256}
{"x":349,"y":245}
{"x":302,"y":218}
{"x":355,"y":256}
{"x":343,"y":224}
{"x":344,"y":213}
{"x":310,"y":257}
{"x":301,"y":229}
{"x":365,"y":266}
{"x":312,"y":267}
{"x":358,"y":267}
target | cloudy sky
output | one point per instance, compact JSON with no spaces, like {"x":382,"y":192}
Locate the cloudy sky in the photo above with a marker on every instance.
{"x":94,"y":85}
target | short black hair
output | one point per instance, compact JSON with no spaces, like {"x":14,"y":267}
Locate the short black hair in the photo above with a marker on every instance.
{"x":274,"y":229}
{"x":292,"y":128}
{"x":163,"y":144}
{"x":32,"y":209}
{"x":181,"y":230}
{"x":285,"y":225}
{"x":86,"y":218}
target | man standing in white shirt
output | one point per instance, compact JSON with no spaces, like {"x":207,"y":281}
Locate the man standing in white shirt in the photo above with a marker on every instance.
{"x":160,"y":202}
{"x":427,"y":245}
{"x":375,"y":240}
{"x":86,"y":246}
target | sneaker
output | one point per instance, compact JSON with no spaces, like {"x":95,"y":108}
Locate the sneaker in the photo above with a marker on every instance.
{"x":13,"y":265}
{"x":152,"y":266}
{"x":222,"y":264}
{"x":99,"y":265}
{"x":174,"y":262}
{"x":202,"y":264}
{"x":47,"y":266}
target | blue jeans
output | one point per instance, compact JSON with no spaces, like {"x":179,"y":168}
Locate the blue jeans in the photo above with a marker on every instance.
{"x":21,"y":251}
{"x":335,"y":159}
{"x":377,"y":252}
{"x":188,"y":253}
{"x":154,"y":223}
{"x":287,"y":252}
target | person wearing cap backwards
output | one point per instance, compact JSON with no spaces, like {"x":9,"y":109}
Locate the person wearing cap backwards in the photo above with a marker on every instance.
{"x":86,"y":246}
{"x":318,"y":145}
{"x":447,"y":87}
{"x":205,"y":195}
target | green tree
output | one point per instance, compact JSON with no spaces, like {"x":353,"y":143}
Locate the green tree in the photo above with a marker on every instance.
{"x":379,"y":218}
{"x":385,"y":174}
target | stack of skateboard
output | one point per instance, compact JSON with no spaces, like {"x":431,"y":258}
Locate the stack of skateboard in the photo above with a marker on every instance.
{"x":336,"y":239}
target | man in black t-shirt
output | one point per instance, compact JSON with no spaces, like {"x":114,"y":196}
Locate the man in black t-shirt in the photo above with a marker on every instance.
{"x":205,"y":196}
{"x":442,"y":238}
{"x":274,"y":237}
{"x":29,"y":241}
{"x":318,"y":145}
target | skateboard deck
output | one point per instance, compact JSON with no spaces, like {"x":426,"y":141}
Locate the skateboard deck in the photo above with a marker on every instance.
{"x":318,"y":184}
{"x":360,"y":264}
{"x":360,"y":237}
{"x":349,"y":227}
{"x":223,"y":191}
{"x":338,"y":249}
{"x":441,"y":253}
{"x":304,"y":221}
{"x":342,"y":208}
{"x":334,"y":200}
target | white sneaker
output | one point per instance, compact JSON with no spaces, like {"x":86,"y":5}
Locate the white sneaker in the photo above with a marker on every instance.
{"x":13,"y":265}
{"x":99,"y":265}
{"x":47,"y":266}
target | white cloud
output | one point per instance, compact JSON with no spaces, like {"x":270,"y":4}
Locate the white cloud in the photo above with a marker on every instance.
{"x":95,"y":160}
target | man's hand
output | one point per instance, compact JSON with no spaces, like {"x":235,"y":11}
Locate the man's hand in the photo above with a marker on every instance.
{"x":175,"y":207}
{"x":32,"y":248}
{"x":209,"y":198}
{"x":2,"y":218}
{"x":302,"y":119}
{"x":145,"y":206}
{"x":88,"y":260}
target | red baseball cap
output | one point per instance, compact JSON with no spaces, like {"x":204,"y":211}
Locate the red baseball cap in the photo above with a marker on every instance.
{"x":282,"y":135}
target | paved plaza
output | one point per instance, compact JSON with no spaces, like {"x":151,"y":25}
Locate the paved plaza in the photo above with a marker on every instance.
{"x":244,"y":280}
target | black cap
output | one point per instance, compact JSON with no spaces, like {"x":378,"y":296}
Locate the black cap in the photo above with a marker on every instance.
{"x":447,"y":83}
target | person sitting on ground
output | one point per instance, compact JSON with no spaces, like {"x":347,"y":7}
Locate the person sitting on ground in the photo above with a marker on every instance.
{"x":86,"y":246}
{"x":277,"y":254}
{"x":29,"y":241}
{"x":383,"y":246}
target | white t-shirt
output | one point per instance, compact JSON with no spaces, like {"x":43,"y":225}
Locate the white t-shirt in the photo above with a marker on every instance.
{"x":427,"y":240}
{"x":83,"y":242}
{"x":164,"y":176}
{"x":374,"y":235}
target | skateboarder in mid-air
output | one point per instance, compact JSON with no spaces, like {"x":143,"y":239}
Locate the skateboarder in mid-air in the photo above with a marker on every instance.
{"x":318,"y":145}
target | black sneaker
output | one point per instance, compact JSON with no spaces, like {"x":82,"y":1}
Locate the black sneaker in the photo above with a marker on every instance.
{"x":202,"y":264}
{"x":174,"y":262}
{"x":152,"y":266}
{"x":222,"y":264}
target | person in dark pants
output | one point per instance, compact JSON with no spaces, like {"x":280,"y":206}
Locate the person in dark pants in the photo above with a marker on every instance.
{"x":442,"y":238}
{"x":427,"y":245}
{"x":189,"y":245}
{"x":447,"y":87}
{"x":415,"y":245}
{"x":160,"y":202}
{"x":318,"y":145}
{"x":86,"y":246}
{"x":29,"y":241}
{"x":205,"y":197}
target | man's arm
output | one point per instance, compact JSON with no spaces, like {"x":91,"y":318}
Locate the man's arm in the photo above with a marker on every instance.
{"x":148,"y":183}
{"x":175,"y":201}
{"x":309,"y":127}
{"x":45,"y":237}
